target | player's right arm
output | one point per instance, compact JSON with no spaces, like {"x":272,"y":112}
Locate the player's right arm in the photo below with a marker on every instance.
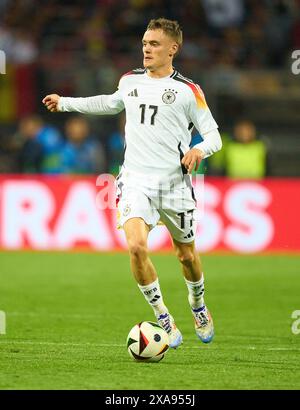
{"x":99,"y":104}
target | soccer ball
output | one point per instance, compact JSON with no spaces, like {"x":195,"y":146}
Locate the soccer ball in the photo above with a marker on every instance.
{"x":147,"y":342}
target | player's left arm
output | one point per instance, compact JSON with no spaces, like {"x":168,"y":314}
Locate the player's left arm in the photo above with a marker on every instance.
{"x":195,"y":155}
{"x":201,"y":117}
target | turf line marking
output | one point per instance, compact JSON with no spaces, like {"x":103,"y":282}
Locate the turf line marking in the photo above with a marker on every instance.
{"x":55,"y":315}
{"x":123,"y":346}
{"x":62,"y":344}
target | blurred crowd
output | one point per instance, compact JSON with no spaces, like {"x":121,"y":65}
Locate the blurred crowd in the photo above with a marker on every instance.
{"x":245,"y":33}
{"x":81,"y":48}
{"x":37,"y":147}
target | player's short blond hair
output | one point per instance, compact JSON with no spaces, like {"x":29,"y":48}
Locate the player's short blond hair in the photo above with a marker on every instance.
{"x":170,"y":27}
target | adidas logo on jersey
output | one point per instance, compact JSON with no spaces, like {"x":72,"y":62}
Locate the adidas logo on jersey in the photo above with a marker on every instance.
{"x":133,"y":93}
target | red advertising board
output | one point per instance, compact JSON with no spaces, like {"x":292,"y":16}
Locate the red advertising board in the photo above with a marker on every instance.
{"x":62,"y":212}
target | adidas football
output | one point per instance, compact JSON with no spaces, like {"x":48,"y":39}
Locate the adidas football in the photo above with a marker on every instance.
{"x":147,"y":342}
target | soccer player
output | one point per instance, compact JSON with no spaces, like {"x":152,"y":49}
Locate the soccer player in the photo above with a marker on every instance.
{"x":154,"y":184}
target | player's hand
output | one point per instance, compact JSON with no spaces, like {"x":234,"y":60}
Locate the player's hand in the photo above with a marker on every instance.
{"x":51,"y":102}
{"x":192,"y":159}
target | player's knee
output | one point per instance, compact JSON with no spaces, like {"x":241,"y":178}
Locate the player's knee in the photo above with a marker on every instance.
{"x":186,"y":258}
{"x":137,"y":249}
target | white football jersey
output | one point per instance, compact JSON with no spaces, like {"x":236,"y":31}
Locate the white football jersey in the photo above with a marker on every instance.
{"x":160,"y":116}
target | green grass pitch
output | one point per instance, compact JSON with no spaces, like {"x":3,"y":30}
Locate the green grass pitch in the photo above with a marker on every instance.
{"x":68,"y":316}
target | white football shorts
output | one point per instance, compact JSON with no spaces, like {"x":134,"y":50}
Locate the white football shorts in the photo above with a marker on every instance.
{"x":172,"y":204}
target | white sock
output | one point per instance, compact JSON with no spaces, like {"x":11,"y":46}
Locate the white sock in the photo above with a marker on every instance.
{"x":196,"y":293}
{"x":154,"y":297}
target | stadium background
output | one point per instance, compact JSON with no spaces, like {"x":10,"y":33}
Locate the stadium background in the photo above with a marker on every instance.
{"x":240,"y":52}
